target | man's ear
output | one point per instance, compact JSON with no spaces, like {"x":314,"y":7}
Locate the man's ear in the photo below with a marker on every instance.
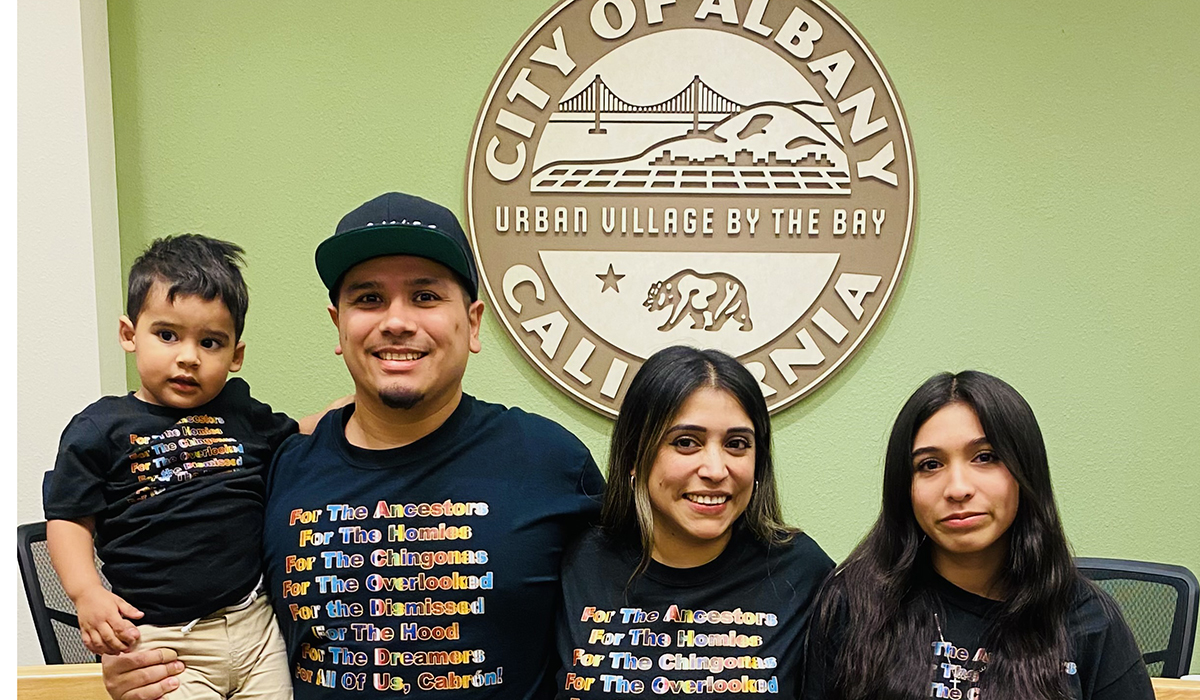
{"x":475,"y":319}
{"x":239,"y":354}
{"x":126,"y":334}
{"x":333,"y":316}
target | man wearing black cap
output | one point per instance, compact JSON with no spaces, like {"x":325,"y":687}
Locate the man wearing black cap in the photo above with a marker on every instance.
{"x":412,"y":542}
{"x":403,"y":292}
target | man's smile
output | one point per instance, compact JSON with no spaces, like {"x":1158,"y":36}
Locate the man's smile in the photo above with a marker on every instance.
{"x":399,"y":355}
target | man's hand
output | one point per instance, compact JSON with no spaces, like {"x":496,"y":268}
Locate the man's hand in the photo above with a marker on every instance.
{"x":103,"y":621}
{"x":141,"y":675}
{"x":309,"y":423}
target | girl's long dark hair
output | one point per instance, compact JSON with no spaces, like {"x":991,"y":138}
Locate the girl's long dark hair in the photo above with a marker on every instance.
{"x":655,"y":395}
{"x":879,"y":604}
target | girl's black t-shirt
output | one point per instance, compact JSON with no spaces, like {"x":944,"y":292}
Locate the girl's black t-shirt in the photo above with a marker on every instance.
{"x":1105,"y":663}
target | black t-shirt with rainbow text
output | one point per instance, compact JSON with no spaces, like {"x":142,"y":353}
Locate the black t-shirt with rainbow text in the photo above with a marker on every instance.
{"x":1104,"y":662}
{"x":430,"y":570}
{"x":733,"y":627}
{"x":177,"y":495}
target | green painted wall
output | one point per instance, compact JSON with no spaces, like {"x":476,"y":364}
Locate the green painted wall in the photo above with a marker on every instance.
{"x":1056,"y":243}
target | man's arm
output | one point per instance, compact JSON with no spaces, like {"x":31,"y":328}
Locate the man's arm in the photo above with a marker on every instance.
{"x":102,"y":615}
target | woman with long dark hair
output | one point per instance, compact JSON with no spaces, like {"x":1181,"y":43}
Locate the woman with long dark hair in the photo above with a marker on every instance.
{"x":965,"y":586}
{"x":692,"y":585}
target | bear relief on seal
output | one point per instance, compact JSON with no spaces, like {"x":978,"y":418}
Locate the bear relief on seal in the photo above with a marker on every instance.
{"x":710,"y":300}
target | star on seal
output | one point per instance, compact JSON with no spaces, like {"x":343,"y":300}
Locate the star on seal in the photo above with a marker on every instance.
{"x":610,"y":280}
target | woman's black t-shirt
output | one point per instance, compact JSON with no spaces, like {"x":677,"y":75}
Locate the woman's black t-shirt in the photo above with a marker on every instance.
{"x":731,"y":627}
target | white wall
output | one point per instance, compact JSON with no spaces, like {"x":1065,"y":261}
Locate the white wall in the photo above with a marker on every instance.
{"x":68,"y":249}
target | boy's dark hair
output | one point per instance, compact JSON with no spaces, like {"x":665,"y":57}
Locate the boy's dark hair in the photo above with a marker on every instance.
{"x":195,"y":265}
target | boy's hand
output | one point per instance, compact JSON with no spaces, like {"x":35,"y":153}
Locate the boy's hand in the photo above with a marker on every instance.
{"x":103,"y":621}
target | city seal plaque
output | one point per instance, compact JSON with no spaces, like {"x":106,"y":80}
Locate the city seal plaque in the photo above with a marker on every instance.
{"x":734,"y":174}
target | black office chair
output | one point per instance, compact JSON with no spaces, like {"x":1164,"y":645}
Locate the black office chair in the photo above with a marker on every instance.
{"x":1159,"y":601}
{"x":53,"y":613}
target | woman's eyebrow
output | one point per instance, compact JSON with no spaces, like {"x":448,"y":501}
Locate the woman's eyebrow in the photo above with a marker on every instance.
{"x":701,"y":429}
{"x":925,"y":450}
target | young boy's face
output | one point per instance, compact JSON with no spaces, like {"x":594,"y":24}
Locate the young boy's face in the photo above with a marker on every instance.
{"x":185,"y":349}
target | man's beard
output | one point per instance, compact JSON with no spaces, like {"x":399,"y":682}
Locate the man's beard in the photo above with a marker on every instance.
{"x":402,"y":399}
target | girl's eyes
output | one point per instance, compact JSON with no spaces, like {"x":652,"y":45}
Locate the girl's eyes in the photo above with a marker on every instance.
{"x":983,"y":457}
{"x":926,"y":465}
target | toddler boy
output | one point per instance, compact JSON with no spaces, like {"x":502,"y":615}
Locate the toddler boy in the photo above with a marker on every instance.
{"x":170,"y":481}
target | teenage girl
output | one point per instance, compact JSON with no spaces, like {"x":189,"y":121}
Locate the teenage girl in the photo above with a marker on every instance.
{"x":965,"y":586}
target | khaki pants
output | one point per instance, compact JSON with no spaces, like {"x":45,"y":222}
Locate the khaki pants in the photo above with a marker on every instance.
{"x":229,"y":654}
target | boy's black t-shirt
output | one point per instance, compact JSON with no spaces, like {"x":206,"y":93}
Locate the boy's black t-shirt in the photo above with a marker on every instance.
{"x":177,"y":496}
{"x":430,"y":570}
{"x":1105,"y":663}
{"x":731,"y":627}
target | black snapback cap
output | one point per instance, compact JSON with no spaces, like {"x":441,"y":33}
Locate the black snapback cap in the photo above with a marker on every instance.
{"x":397,"y":224}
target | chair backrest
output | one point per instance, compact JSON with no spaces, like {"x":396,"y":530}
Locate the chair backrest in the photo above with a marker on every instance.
{"x":53,"y":613}
{"x":1159,"y":601}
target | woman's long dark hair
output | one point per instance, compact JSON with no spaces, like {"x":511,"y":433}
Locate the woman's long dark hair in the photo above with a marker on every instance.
{"x":655,"y":395}
{"x":882,"y":586}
